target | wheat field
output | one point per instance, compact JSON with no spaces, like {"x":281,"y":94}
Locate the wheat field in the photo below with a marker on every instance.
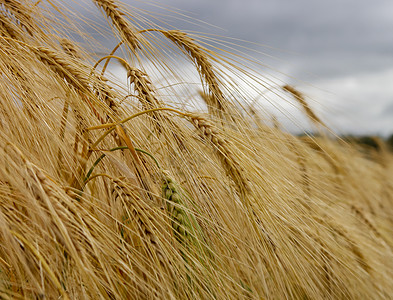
{"x":134,"y":189}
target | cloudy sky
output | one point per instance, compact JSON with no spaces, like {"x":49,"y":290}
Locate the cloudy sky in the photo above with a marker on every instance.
{"x":339,"y":52}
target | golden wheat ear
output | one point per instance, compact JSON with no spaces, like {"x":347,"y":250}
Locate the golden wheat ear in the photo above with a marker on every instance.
{"x":217,"y":104}
{"x":301,"y":99}
{"x":228,"y":159}
{"x":116,"y":16}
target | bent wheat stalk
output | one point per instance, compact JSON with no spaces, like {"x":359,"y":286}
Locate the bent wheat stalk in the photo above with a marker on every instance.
{"x":228,"y":159}
{"x":217,"y":104}
{"x":124,"y":27}
{"x":143,"y":226}
{"x":21,"y":14}
{"x":42,"y":261}
{"x":300,"y":98}
{"x":7,"y":28}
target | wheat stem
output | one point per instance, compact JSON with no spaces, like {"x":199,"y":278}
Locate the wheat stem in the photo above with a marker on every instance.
{"x":107,"y":57}
{"x":112,"y":150}
{"x":44,"y":264}
{"x":110,"y":125}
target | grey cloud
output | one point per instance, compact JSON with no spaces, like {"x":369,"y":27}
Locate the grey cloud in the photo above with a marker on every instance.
{"x":326,"y":37}
{"x":317,"y":41}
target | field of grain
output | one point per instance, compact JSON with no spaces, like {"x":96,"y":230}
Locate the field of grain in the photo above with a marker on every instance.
{"x":122,"y":191}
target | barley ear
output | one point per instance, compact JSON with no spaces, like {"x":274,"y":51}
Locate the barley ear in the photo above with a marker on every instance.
{"x":223,"y":150}
{"x":301,"y":99}
{"x":116,"y":16}
{"x":179,"y":217}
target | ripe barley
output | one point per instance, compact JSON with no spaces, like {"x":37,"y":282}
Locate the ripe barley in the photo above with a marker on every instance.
{"x":142,"y":225}
{"x":7,"y":28}
{"x":360,"y":214}
{"x":143,"y":86}
{"x":64,"y":66}
{"x":223,"y":150}
{"x":300,"y":98}
{"x":70,"y":48}
{"x":217,"y":104}
{"x":125,"y":28}
{"x":145,"y":216}
{"x":20,"y":12}
{"x":147,"y":96}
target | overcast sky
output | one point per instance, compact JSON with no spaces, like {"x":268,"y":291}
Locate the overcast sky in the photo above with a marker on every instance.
{"x":339,"y":51}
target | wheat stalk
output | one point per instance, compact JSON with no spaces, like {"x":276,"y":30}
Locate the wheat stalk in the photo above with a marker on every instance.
{"x":301,"y":160}
{"x":51,"y":275}
{"x":75,"y":73}
{"x":265,"y":236}
{"x":358,"y":211}
{"x":300,"y":98}
{"x":21,"y":14}
{"x":204,"y":66}
{"x":142,"y":225}
{"x":342,"y":232}
{"x":196,"y":255}
{"x":223,"y":150}
{"x":50,"y":210}
{"x":144,"y":215}
{"x":64,"y":66}
{"x":70,"y":48}
{"x":211,"y":134}
{"x":126,"y":30}
{"x":147,"y":95}
{"x":143,"y":85}
{"x":8,"y":28}
{"x":217,"y":104}
{"x":328,"y":156}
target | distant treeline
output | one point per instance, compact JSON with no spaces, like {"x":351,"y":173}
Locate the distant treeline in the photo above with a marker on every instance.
{"x":371,"y":142}
{"x":368,"y":142}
